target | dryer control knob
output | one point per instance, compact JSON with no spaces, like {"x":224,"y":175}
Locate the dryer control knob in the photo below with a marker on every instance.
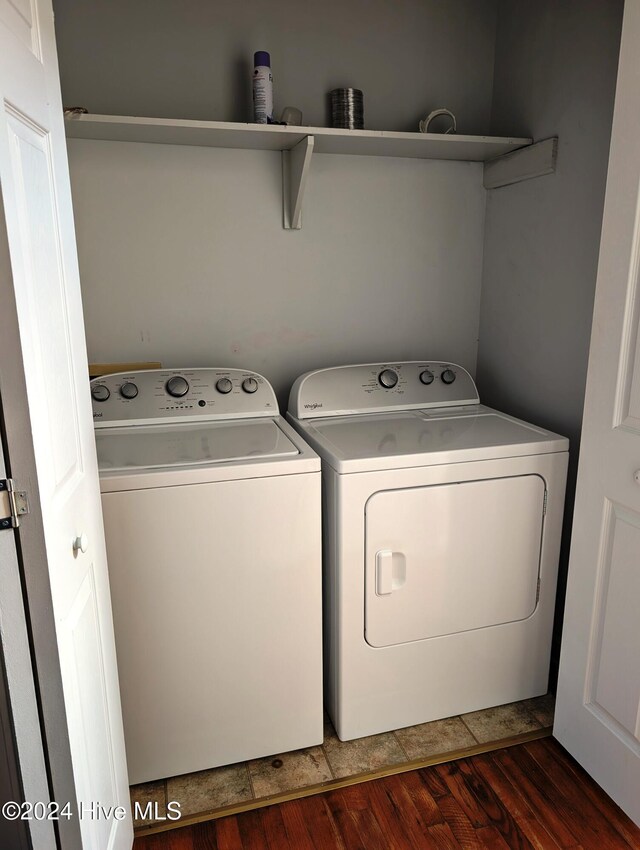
{"x":100,"y":392}
{"x":177,"y":386}
{"x":129,"y":390}
{"x":388,"y":379}
{"x":224,"y":385}
{"x":249,"y":385}
{"x":448,"y":376}
{"x":426,"y":377}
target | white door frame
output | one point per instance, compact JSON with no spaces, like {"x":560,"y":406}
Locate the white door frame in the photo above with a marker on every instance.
{"x":19,"y":726}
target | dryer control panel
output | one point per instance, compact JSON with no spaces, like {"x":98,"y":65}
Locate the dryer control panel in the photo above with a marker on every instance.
{"x":380,"y":388}
{"x":180,"y":395}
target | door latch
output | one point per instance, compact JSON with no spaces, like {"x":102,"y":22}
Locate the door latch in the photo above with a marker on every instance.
{"x":13,"y":504}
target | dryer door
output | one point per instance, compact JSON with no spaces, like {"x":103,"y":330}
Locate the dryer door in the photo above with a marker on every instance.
{"x":452,"y":557}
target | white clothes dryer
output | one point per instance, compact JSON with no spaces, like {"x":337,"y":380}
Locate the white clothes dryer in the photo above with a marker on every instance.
{"x":442,"y":530}
{"x":211,"y":506}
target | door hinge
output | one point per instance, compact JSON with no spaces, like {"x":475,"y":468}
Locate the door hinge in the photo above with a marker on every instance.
{"x":13,"y":504}
{"x":544,"y":504}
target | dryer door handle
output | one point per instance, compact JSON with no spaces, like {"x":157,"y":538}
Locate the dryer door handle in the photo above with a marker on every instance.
{"x":391,"y":571}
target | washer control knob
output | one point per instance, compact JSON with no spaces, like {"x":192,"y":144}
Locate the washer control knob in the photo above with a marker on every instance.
{"x":448,"y":376}
{"x":426,"y":377}
{"x":129,"y":390}
{"x":388,"y":379}
{"x":249,"y":385}
{"x":177,"y":386}
{"x":224,"y":385}
{"x":100,"y":392}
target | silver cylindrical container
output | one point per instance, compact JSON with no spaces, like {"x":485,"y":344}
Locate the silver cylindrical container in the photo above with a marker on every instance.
{"x":347,"y":109}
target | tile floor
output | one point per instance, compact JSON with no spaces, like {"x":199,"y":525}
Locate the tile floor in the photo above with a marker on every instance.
{"x":225,"y":787}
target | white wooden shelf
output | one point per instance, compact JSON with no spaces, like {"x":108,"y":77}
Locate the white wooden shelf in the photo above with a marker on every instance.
{"x":219,"y":134}
{"x":298,"y":144}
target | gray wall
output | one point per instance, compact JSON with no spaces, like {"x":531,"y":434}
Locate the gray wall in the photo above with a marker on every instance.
{"x":182,"y":253}
{"x":555,"y":75}
{"x":183,"y":259}
{"x":193,"y":59}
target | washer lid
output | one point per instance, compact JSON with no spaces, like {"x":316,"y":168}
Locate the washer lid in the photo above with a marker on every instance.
{"x":166,"y":446}
{"x":425,"y":438}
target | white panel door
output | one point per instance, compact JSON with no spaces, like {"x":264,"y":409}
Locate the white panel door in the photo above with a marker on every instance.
{"x":43,"y":266}
{"x":598,"y":706}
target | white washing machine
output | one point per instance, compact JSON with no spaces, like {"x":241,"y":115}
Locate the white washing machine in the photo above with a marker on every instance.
{"x":442,"y":533}
{"x":211,"y":507}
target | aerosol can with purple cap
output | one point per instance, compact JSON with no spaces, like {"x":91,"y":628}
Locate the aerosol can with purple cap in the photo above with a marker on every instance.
{"x":262,"y":88}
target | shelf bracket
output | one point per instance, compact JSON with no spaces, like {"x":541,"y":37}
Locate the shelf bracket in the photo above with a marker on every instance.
{"x":523,"y":164}
{"x":295,"y":170}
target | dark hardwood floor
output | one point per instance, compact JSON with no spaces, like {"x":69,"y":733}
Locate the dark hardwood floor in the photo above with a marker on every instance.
{"x":529,"y":797}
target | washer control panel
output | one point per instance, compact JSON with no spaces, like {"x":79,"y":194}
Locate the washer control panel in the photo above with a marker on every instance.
{"x":381,"y":387}
{"x":180,"y":395}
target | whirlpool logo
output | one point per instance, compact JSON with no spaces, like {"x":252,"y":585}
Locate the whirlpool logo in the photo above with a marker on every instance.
{"x":313,"y":406}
